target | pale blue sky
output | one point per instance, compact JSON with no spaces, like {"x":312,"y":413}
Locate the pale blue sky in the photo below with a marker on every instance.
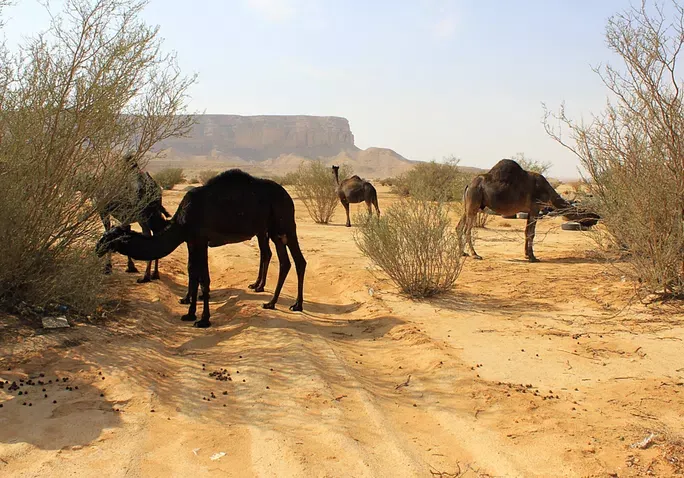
{"x":427,"y":78}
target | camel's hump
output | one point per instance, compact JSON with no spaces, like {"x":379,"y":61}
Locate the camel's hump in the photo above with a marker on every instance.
{"x":507,"y":170}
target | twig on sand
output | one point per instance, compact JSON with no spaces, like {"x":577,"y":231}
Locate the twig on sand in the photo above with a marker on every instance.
{"x":337,"y":399}
{"x":579,"y":355}
{"x":405,"y":384}
{"x":444,"y":474}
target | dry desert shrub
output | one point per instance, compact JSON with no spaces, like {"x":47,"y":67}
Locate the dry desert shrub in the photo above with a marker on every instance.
{"x":74,"y":100}
{"x":167,"y":178}
{"x":206,"y":175}
{"x":315,"y":185}
{"x":415,"y":244}
{"x":633,"y":150}
{"x":433,"y":181}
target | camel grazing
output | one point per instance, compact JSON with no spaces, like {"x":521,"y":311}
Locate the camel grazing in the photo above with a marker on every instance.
{"x":141,"y":203}
{"x":355,"y":190}
{"x":507,"y":189}
{"x":231,"y":207}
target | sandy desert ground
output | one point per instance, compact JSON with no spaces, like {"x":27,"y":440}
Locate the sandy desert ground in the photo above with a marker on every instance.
{"x":524,"y":370}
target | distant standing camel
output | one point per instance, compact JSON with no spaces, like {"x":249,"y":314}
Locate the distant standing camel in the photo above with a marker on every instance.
{"x":507,"y":189}
{"x":231,"y":207}
{"x":355,"y":190}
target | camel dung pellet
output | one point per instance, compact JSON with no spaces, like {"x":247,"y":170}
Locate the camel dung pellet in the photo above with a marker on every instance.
{"x":54,"y":401}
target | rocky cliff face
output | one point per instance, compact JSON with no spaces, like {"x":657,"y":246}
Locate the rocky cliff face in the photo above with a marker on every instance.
{"x":257,"y":138}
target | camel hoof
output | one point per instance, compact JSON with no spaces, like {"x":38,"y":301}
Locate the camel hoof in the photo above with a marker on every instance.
{"x":202,"y":324}
{"x":296,"y":307}
{"x":142,"y":280}
{"x":259,"y":289}
{"x":347,"y":225}
{"x":132,"y":270}
{"x":269,"y":305}
{"x":465,"y":254}
{"x":184,"y":301}
{"x":189,"y":318}
{"x":155,"y":277}
{"x":477,"y":257}
{"x":252,"y":286}
{"x":533,"y":259}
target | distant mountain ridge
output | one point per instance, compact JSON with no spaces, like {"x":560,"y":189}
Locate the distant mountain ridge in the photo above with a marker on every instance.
{"x":258,"y":138}
{"x":278,"y":144}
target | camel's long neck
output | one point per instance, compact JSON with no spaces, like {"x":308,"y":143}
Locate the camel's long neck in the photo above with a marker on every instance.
{"x":557,"y":201}
{"x":337,"y":177}
{"x":146,"y":248}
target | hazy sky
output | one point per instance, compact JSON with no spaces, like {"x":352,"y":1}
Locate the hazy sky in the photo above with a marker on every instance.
{"x":427,"y":78}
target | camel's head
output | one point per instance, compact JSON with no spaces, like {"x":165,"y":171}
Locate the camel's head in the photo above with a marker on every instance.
{"x":583,"y":216}
{"x":130,"y":160}
{"x":112,"y":240}
{"x":335,"y":168}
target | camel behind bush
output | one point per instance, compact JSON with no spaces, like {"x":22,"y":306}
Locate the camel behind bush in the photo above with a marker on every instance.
{"x":508,"y":189}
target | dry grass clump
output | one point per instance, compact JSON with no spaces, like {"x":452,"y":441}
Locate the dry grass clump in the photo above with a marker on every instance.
{"x":433,"y":181}
{"x":206,"y":175}
{"x":314,"y":183}
{"x":415,"y":244}
{"x":170,"y":177}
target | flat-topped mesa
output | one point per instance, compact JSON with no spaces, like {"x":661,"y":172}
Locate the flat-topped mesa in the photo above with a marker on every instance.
{"x":258,"y":138}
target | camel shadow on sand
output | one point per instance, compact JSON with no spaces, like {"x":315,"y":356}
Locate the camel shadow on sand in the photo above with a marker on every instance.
{"x":232,"y":297}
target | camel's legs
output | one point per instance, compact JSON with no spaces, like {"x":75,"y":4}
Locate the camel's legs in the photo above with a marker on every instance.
{"x":529,"y":235}
{"x":203,"y":294}
{"x":370,"y":210}
{"x":465,"y":227}
{"x":131,"y":269}
{"x":193,"y":283}
{"x":300,"y":266}
{"x":282,"y":273}
{"x":107,"y":223}
{"x":470,"y":221}
{"x":346,"y":208}
{"x":147,"y":277}
{"x":265,"y":255}
{"x":198,"y":271}
{"x":375,"y":203}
